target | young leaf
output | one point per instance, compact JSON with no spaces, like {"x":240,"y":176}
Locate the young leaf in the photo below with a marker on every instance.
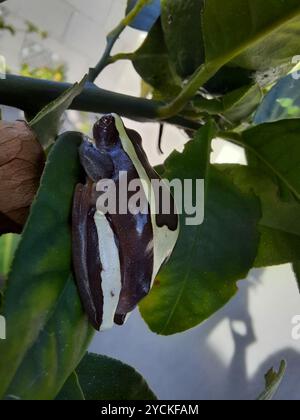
{"x":208,"y":260}
{"x":147,"y":17}
{"x":46,"y":123}
{"x":102,"y":378}
{"x":273,"y":381}
{"x":46,"y":326}
{"x":182,"y":26}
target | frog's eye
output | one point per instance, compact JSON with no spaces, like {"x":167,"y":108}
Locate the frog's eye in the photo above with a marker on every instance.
{"x":105,"y":132}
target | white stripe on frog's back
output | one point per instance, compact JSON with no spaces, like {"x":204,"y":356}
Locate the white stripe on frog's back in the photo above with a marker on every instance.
{"x":164,"y":239}
{"x":111,"y":270}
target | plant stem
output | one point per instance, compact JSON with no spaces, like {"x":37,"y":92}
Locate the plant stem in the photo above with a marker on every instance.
{"x":237,"y":139}
{"x":112,"y":38}
{"x":31,"y":95}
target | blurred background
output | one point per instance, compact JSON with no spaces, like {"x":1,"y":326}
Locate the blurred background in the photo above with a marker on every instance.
{"x":226,"y":357}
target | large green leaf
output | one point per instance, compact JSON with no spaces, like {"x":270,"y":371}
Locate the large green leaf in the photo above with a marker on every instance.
{"x":147,"y":17}
{"x":181,"y":21}
{"x":273,"y":380}
{"x":257,"y":34}
{"x":281,"y":102}
{"x":8,"y":245}
{"x":47,"y":122}
{"x":252,"y":34}
{"x":280,"y":222}
{"x":103,"y":378}
{"x":276,"y":148}
{"x":59,"y":348}
{"x":152,"y":63}
{"x":208,"y":260}
{"x":46,"y":328}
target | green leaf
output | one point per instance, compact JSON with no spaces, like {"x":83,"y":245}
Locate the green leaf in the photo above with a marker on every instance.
{"x":102,"y":378}
{"x":7,"y":27}
{"x":71,"y":390}
{"x":276,"y":248}
{"x":182,"y":26}
{"x":229,"y":78}
{"x":47,"y":122}
{"x":152,"y":63}
{"x":47,"y":330}
{"x":235,"y":106}
{"x":273,"y":381}
{"x":280,"y":222}
{"x":208,"y":260}
{"x":147,"y":17}
{"x":275,"y":147}
{"x":8,"y":245}
{"x":276,"y":213}
{"x":251,"y":34}
{"x":274,"y":106}
{"x":255,"y":34}
{"x":296,"y":268}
